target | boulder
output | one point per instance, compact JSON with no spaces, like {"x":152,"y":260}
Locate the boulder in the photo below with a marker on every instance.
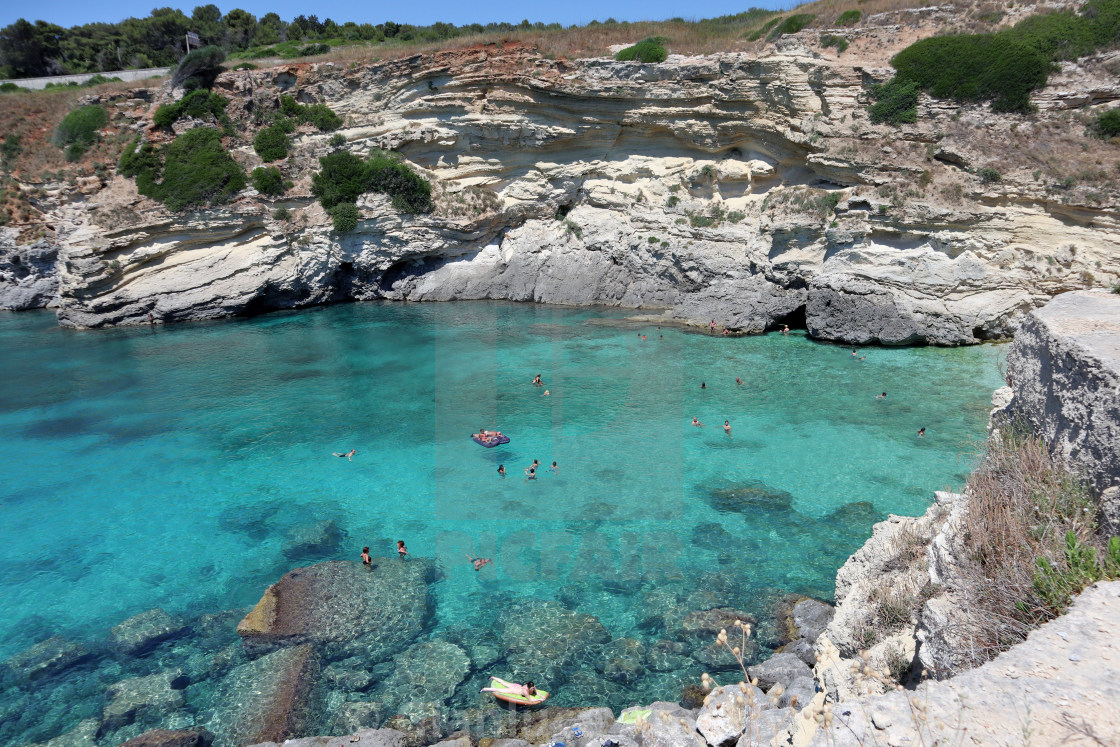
{"x":622,"y":660}
{"x":343,"y":607}
{"x":266,"y":699}
{"x":779,"y":669}
{"x":543,"y":639}
{"x":52,"y":656}
{"x":724,"y":715}
{"x":355,"y":715}
{"x":802,"y":649}
{"x":768,"y":725}
{"x":803,"y":689}
{"x":136,"y":697}
{"x":82,"y":735}
{"x":426,"y":673}
{"x":172,"y":738}
{"x":140,"y":633}
{"x":541,"y":726}
{"x":810,"y":618}
{"x":664,"y":730}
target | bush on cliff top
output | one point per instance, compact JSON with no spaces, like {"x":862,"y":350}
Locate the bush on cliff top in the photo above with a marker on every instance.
{"x":1006,"y":66}
{"x":192,"y":171}
{"x":198,"y":68}
{"x":791,"y":25}
{"x":268,"y":181}
{"x":344,"y":176}
{"x":647,"y":50}
{"x":848,"y":18}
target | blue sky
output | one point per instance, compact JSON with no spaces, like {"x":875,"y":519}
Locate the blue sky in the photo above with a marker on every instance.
{"x":75,"y":12}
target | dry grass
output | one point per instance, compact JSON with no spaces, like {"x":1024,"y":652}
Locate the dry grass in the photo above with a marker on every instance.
{"x":1022,"y":502}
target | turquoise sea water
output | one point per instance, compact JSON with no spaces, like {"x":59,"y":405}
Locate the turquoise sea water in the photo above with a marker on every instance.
{"x":168,"y":466}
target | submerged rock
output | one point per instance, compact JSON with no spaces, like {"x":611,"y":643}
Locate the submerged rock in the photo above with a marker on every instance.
{"x":622,"y":660}
{"x":426,"y":674}
{"x":266,"y":699}
{"x":750,"y":498}
{"x":314,"y":541}
{"x":52,"y":656}
{"x":172,"y":738}
{"x":140,"y":633}
{"x":543,"y":638}
{"x":344,"y":608}
{"x":138,"y":697}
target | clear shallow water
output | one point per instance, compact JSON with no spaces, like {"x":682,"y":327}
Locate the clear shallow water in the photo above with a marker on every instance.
{"x":166,"y":467}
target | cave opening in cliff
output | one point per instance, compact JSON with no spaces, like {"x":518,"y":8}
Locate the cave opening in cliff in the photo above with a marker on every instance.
{"x":795,"y":319}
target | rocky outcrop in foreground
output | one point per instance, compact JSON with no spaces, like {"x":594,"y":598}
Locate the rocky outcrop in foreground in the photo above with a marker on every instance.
{"x":1064,"y":369}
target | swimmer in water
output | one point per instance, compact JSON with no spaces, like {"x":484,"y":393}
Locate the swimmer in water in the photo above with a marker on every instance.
{"x":921,"y":433}
{"x":785,"y":330}
{"x":348,"y":454}
{"x":703,"y":385}
{"x":478,"y":562}
{"x":697,"y":423}
{"x":366,"y":559}
{"x":546,"y":393}
{"x":738,"y":381}
{"x":401,"y":551}
{"x":530,"y":473}
{"x":727,"y":427}
{"x":881,"y":396}
{"x":502,"y":470}
{"x":554,"y":468}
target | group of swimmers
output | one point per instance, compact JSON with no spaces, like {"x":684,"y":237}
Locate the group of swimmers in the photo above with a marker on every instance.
{"x":883,"y":395}
{"x":531,"y":470}
{"x":402,"y":551}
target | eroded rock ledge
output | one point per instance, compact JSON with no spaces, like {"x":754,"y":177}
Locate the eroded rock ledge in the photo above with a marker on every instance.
{"x":749,"y":190}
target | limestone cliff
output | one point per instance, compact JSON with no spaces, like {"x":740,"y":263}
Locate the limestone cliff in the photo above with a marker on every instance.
{"x":750,"y":189}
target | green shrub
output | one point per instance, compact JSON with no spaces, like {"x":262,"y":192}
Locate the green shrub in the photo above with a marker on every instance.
{"x":319,"y":115}
{"x":832,"y":40}
{"x":314,"y":49}
{"x":9,"y":87}
{"x":989,"y":175}
{"x":193,"y":170}
{"x":268,"y":181}
{"x":198,"y":104}
{"x":647,"y":50}
{"x":848,"y":18}
{"x":1108,"y":123}
{"x":345,"y":217}
{"x":281,"y":213}
{"x":99,"y":79}
{"x":1057,"y":582}
{"x":337,"y":140}
{"x":271,"y":143}
{"x":755,"y":36}
{"x":344,"y":176}
{"x":199,"y":68}
{"x":896,"y":102}
{"x":701,"y":221}
{"x":672,"y":201}
{"x":78,"y":130}
{"x":791,"y":25}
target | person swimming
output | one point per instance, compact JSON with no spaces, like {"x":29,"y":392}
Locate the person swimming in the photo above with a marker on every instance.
{"x":727,"y":427}
{"x":546,"y":393}
{"x":348,"y":454}
{"x":881,"y":396}
{"x":921,"y":433}
{"x":401,"y":551}
{"x":502,"y":470}
{"x":366,"y":559}
{"x":738,"y":381}
{"x":785,"y":330}
{"x":703,"y":385}
{"x":537,"y":380}
{"x":530,"y":473}
{"x":554,"y":468}
{"x":696,"y":422}
{"x":479,"y":562}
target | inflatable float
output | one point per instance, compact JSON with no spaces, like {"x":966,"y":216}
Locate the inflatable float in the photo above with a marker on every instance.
{"x":490,"y":442}
{"x":511,"y":693}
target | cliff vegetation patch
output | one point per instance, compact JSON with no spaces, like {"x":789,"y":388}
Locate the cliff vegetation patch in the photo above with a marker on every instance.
{"x":268,"y":181}
{"x":320,"y":115}
{"x":198,"y":104}
{"x":1006,"y":66}
{"x":344,"y":176}
{"x":272,"y":143}
{"x":192,"y":171}
{"x":647,"y":50}
{"x":78,"y":130}
{"x":199,"y":68}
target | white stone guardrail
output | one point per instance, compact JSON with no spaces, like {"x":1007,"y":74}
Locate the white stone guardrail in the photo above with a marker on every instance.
{"x":37,"y":84}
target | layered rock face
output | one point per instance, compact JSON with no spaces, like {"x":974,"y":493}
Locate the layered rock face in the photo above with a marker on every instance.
{"x":726,"y":187}
{"x":1064,"y":369}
